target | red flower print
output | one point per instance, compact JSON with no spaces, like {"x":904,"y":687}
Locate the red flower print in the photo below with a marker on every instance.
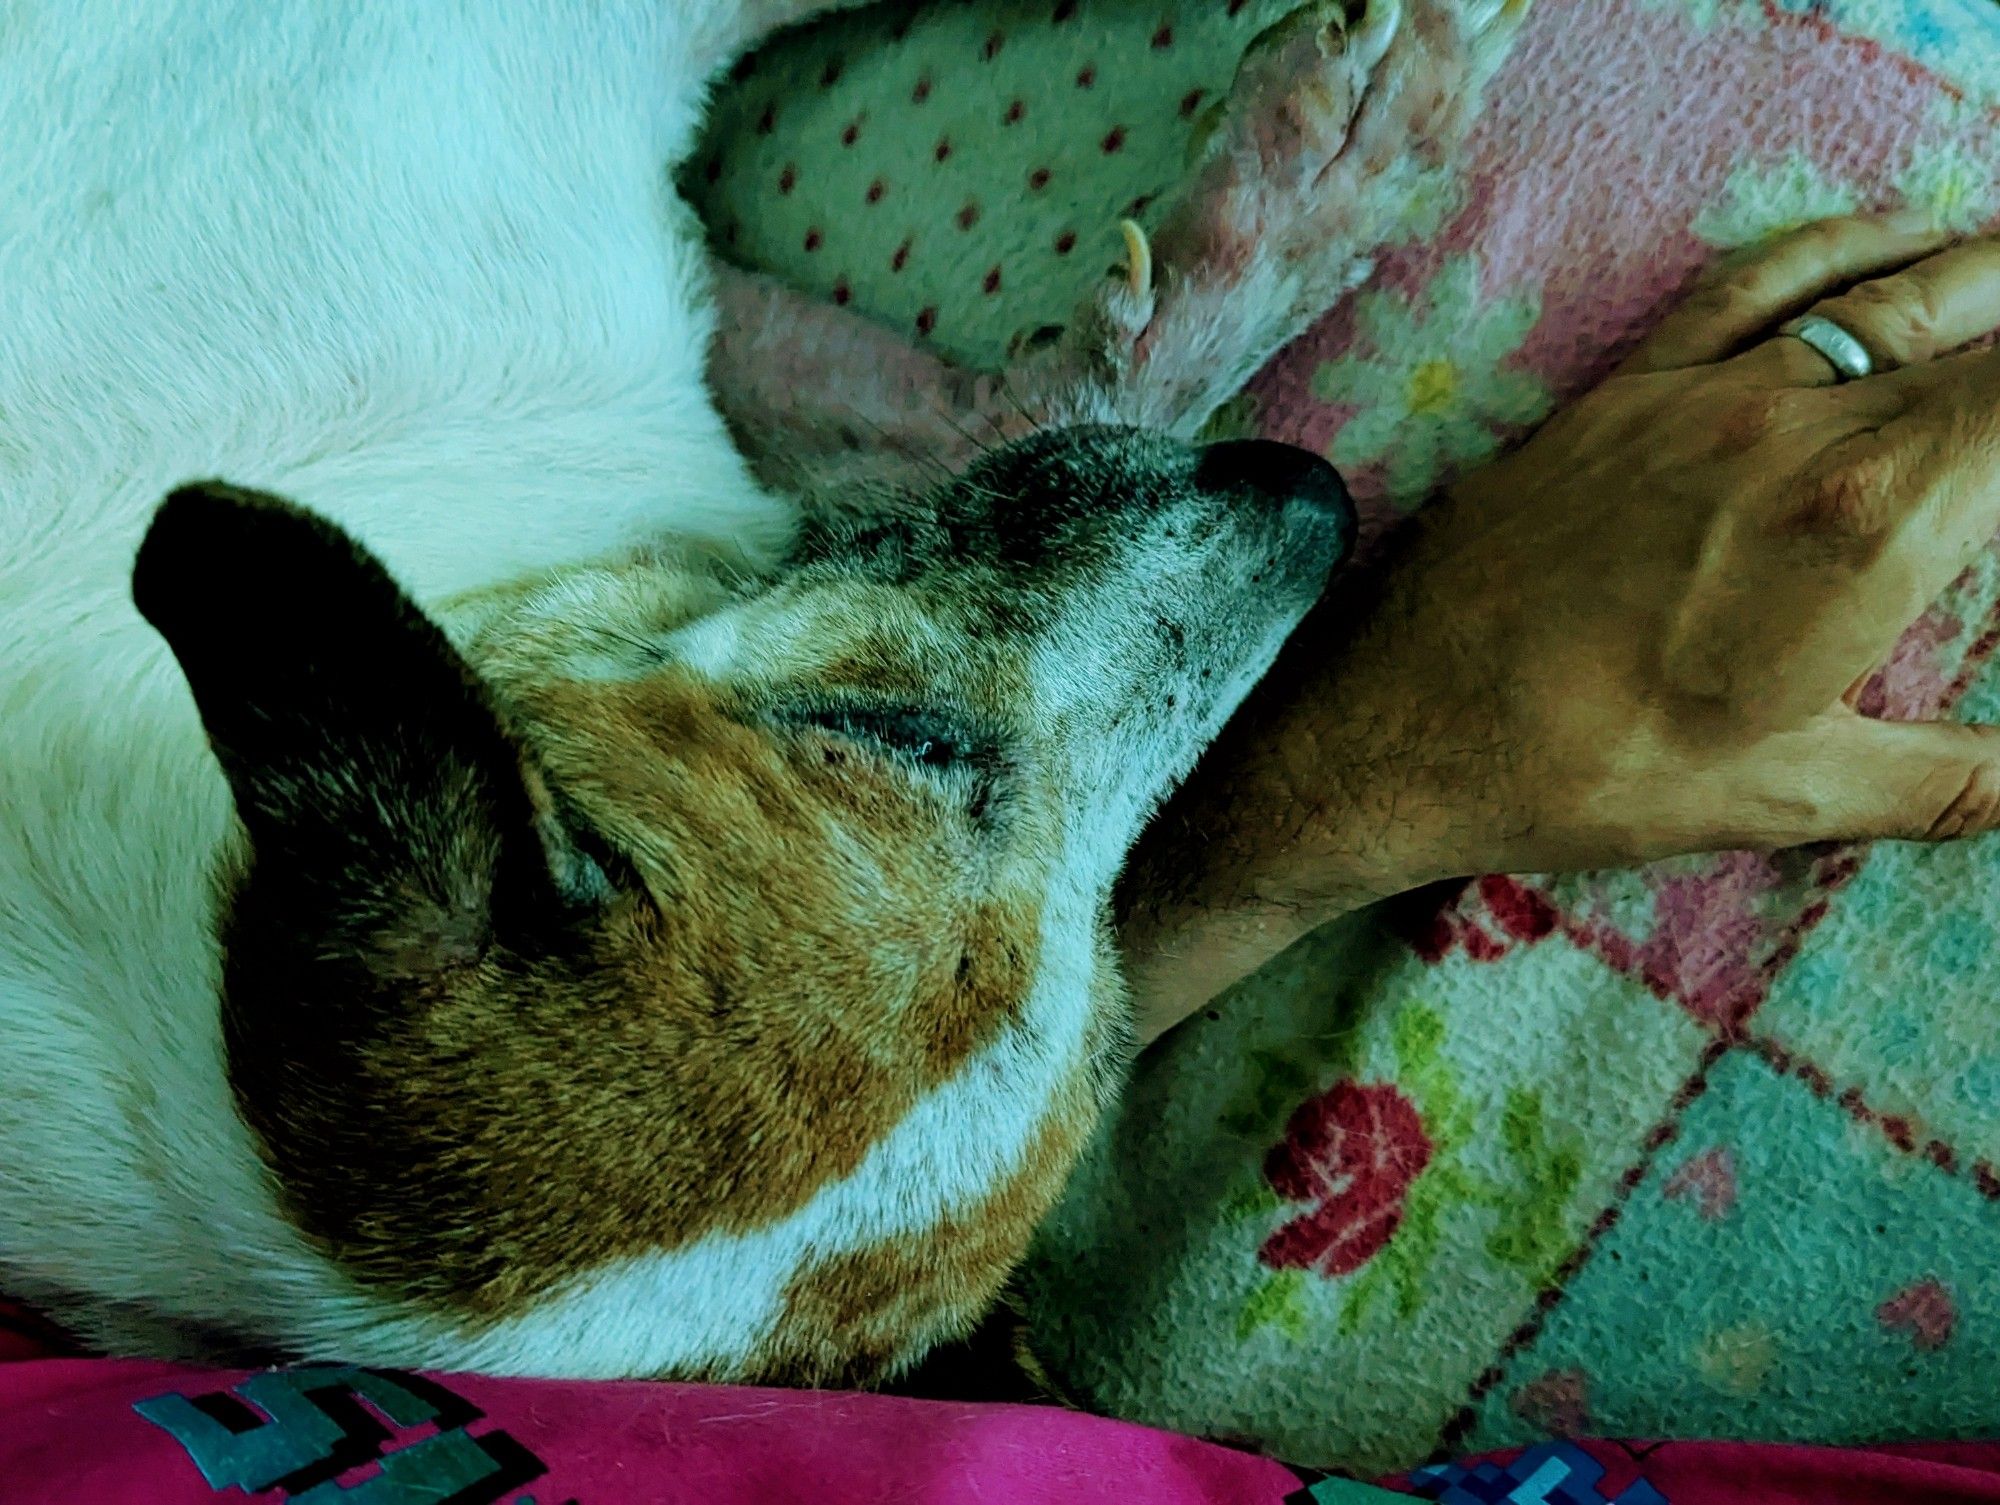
{"x":1709,"y":1181}
{"x":1488,"y":917}
{"x":1353,"y":1152}
{"x":1558,"y":1403}
{"x":1925,"y":1311}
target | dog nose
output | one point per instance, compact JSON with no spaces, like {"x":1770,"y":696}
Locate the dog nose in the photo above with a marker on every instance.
{"x":1278,"y":473}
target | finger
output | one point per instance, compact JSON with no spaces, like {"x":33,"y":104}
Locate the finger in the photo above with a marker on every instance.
{"x":1902,"y":320}
{"x":1938,"y":392}
{"x":1926,"y":476}
{"x":1850,"y":778}
{"x":1862,"y":692}
{"x":1736,"y":302}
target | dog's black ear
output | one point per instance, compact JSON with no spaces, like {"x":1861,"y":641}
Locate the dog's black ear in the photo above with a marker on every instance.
{"x":390,"y":813}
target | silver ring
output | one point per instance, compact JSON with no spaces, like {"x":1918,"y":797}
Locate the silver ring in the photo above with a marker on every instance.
{"x":1847,"y":355}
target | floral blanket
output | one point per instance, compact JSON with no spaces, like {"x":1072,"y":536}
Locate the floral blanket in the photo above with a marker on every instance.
{"x":1706,"y":1149}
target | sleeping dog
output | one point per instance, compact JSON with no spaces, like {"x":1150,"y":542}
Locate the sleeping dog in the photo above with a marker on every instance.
{"x":563,"y":861}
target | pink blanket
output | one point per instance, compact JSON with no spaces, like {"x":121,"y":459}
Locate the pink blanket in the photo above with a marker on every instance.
{"x":100,"y":1432}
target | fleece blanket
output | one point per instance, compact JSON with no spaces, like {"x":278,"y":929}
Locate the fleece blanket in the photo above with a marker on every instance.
{"x":124,"y":1433}
{"x":1707,"y":1149}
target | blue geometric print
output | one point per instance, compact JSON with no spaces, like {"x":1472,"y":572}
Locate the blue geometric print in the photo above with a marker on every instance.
{"x":1555,"y":1473}
{"x":298,"y":1431}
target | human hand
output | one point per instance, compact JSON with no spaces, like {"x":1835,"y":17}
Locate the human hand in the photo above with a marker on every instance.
{"x":1647,"y":626}
{"x":1639,"y":635}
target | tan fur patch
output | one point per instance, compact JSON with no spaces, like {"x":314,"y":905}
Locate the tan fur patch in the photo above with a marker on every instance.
{"x":705,"y":1058}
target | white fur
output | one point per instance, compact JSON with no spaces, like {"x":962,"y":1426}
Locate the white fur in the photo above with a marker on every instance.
{"x":416,"y":266}
{"x":419,"y":267}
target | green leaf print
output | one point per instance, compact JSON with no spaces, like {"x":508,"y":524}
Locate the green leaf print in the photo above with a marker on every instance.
{"x":1279,"y":1302}
{"x":1530,"y":1235}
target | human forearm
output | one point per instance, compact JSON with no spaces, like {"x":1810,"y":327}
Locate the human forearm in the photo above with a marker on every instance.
{"x":1312,"y":804}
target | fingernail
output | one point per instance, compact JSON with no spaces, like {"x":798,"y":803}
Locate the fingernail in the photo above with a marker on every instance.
{"x":1914,"y":222}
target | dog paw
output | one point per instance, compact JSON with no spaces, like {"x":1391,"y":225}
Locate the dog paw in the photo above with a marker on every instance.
{"x":1333,"y":109}
{"x":1308,"y":165}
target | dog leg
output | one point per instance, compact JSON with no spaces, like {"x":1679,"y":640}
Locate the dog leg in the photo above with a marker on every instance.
{"x":824,"y":401}
{"x":1305,"y":169}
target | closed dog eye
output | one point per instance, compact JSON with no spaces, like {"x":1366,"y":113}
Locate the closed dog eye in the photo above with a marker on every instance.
{"x":927,"y":738}
{"x":936,"y":745}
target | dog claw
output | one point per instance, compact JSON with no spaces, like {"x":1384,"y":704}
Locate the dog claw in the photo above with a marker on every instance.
{"x":1138,"y":259}
{"x":1497,"y":15}
{"x":1368,"y":43}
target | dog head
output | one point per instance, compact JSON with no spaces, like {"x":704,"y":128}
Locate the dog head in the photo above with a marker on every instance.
{"x":651,"y":908}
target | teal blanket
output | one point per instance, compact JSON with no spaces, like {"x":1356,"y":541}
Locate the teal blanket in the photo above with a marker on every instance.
{"x":1707,"y":1149}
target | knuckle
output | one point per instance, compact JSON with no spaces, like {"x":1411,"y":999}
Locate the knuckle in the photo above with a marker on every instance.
{"x":1750,"y":419}
{"x":1848,"y":502}
{"x":1893,"y":316}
